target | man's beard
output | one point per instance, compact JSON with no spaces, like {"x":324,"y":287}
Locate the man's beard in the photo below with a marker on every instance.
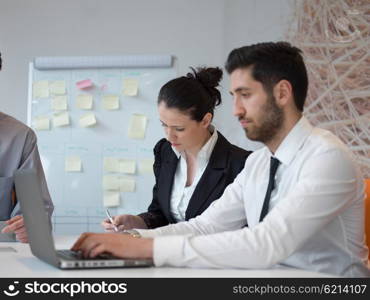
{"x":271,"y":122}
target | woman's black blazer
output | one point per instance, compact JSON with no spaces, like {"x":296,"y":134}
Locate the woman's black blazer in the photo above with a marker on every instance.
{"x":225,"y":163}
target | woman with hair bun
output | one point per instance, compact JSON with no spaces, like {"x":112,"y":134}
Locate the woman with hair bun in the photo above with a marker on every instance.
{"x":194,"y":163}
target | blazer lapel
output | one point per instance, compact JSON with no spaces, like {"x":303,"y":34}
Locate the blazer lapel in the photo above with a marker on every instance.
{"x":210,"y":178}
{"x":166,"y":182}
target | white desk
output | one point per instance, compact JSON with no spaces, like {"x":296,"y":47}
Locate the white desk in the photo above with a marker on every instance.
{"x":23,"y":264}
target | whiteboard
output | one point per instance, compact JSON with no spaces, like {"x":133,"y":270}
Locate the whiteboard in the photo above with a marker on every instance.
{"x":78,"y":195}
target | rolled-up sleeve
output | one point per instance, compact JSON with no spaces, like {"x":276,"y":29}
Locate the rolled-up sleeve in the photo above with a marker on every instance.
{"x":316,"y":199}
{"x":226,"y":213}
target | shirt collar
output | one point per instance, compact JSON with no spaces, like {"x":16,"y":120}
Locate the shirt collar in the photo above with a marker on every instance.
{"x":206,"y":151}
{"x":289,"y":147}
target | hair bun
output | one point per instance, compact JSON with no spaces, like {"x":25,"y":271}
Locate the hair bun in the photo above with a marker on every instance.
{"x":209,"y":78}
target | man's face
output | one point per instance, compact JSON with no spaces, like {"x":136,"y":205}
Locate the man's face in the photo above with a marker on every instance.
{"x":258,"y":113}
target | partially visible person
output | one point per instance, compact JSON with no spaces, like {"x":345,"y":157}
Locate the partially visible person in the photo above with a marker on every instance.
{"x":302,"y":195}
{"x":18,"y":150}
{"x":194,"y":163}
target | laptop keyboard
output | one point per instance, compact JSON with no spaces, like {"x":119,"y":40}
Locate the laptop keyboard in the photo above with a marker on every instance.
{"x":68,"y":254}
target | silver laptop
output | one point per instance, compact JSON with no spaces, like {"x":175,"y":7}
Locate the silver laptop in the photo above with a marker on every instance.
{"x":40,"y":236}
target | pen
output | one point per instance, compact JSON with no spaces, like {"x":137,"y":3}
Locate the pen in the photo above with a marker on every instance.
{"x":111,"y":219}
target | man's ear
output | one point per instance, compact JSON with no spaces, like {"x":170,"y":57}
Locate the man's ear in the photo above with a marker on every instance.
{"x":207,"y":119}
{"x":283,"y":92}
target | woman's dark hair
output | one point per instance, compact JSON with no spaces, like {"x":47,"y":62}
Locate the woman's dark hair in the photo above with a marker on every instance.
{"x":271,"y":62}
{"x":194,"y":94}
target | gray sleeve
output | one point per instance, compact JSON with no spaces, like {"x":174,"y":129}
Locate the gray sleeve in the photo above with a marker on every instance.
{"x":31,"y":159}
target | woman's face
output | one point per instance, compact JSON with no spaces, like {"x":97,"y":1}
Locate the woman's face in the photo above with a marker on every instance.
{"x":181,"y":131}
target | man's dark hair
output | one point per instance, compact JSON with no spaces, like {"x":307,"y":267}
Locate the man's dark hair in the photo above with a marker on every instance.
{"x":270,"y":63}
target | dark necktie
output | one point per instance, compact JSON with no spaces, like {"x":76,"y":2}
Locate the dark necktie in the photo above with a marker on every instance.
{"x":274,"y":164}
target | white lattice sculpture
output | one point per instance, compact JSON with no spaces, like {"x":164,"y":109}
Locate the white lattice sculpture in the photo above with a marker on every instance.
{"x":335,"y":38}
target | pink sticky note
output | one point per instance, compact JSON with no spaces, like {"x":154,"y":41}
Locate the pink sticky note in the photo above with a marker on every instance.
{"x":84,"y":84}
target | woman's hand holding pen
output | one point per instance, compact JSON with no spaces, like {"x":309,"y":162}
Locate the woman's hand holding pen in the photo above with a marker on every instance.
{"x":124,"y":222}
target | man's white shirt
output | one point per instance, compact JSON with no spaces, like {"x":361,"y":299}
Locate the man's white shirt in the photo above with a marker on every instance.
{"x":315,"y":220}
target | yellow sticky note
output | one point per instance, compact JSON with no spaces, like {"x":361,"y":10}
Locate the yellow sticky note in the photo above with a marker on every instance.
{"x":137,"y":126}
{"x":110,"y":102}
{"x":111,"y":164}
{"x":42,"y":123}
{"x":61,"y":119}
{"x":59,"y":103}
{"x":87,"y":120}
{"x":73,"y":164}
{"x":84,"y":101}
{"x":127,"y":166}
{"x":57,"y":87}
{"x":146,"y":166}
{"x":111,"y":199}
{"x":111,"y":182}
{"x":130,"y":87}
{"x":127,"y":184}
{"x":41,"y":89}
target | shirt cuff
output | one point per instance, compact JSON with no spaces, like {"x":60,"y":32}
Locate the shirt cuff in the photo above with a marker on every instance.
{"x":146,"y":233}
{"x":168,"y":250}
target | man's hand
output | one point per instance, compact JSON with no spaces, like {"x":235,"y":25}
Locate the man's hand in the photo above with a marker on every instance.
{"x":16,"y":225}
{"x":119,"y":245}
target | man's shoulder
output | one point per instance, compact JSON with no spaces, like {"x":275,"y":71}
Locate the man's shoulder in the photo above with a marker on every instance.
{"x":325,"y":140}
{"x":13,"y":127}
{"x":325,"y":148}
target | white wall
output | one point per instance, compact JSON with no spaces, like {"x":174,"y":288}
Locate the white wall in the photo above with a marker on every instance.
{"x":191,"y":30}
{"x":249,"y":22}
{"x":197,"y":32}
